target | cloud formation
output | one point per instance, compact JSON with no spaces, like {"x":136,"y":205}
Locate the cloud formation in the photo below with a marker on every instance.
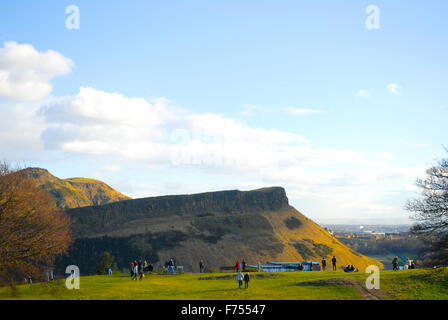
{"x":157,"y":133}
{"x":25,"y":73}
{"x":102,"y":123}
{"x":394,"y":88}
{"x":95,"y":124}
{"x":363,"y":93}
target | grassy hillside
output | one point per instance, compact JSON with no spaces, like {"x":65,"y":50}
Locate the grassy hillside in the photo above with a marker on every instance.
{"x":219,"y":227}
{"x":305,"y":240}
{"x":74,"y":192}
{"x":403,"y":285}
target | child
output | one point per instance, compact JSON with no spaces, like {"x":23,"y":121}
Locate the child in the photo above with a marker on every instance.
{"x":246,"y":280}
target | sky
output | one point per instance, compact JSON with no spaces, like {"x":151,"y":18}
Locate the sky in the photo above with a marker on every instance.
{"x":344,"y":104}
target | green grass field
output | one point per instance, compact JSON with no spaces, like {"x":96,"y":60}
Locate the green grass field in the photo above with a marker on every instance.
{"x":409,"y":284}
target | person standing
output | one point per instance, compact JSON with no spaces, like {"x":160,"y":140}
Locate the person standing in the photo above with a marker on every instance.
{"x":201,"y":266}
{"x":395,"y":264}
{"x":140,"y":269}
{"x":324,"y":264}
{"x":240,"y":278}
{"x":171,"y":266}
{"x":135,"y":274}
{"x":246,"y":280}
{"x":333,"y":261}
{"x":244,"y":265}
{"x":237,"y":265}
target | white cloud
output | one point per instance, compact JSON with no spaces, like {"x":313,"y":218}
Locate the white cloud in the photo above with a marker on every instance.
{"x":302,"y":111}
{"x":363,"y":93}
{"x":394,"y":88}
{"x":157,"y":132}
{"x":25,"y":73}
{"x":20,"y":130}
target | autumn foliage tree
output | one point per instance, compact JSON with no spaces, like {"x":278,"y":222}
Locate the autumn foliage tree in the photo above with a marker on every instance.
{"x":33,"y":232}
{"x":431,"y":212}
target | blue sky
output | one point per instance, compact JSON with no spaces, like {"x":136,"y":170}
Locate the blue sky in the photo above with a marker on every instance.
{"x":308,"y":74}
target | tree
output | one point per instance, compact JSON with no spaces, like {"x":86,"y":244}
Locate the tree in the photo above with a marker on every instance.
{"x":32,"y":230}
{"x":431,"y":212}
{"x":107,"y":261}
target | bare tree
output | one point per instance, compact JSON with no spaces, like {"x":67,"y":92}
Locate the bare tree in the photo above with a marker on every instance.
{"x":431,"y":212}
{"x":32,"y":230}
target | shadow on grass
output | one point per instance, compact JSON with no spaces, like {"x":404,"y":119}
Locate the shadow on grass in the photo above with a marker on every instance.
{"x":324,"y":283}
{"x":222,"y":290}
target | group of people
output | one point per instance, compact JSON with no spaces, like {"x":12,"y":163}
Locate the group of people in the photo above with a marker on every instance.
{"x":138,"y":269}
{"x":409,"y":265}
{"x":333,"y":262}
{"x":350,"y":268}
{"x":170,"y":265}
{"x":240,"y":278}
{"x":240,"y":266}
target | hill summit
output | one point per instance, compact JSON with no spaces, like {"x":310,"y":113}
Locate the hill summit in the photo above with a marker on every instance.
{"x":74,"y":192}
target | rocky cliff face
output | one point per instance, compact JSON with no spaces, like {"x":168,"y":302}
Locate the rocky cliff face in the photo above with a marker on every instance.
{"x":89,"y":221}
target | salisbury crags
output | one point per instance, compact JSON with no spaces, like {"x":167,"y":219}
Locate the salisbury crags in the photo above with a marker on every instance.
{"x":219,"y":227}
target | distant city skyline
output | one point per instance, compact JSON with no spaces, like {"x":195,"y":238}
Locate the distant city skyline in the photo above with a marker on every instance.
{"x":342,"y":104}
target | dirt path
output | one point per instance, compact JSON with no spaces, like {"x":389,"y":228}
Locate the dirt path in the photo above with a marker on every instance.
{"x":365,"y":294}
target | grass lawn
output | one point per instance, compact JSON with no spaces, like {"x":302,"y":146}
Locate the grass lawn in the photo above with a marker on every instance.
{"x":409,"y":284}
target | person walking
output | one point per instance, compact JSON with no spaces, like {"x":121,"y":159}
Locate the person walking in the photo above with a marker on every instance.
{"x":324,"y":264}
{"x":240,"y":278}
{"x":333,"y":261}
{"x":246,"y":280}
